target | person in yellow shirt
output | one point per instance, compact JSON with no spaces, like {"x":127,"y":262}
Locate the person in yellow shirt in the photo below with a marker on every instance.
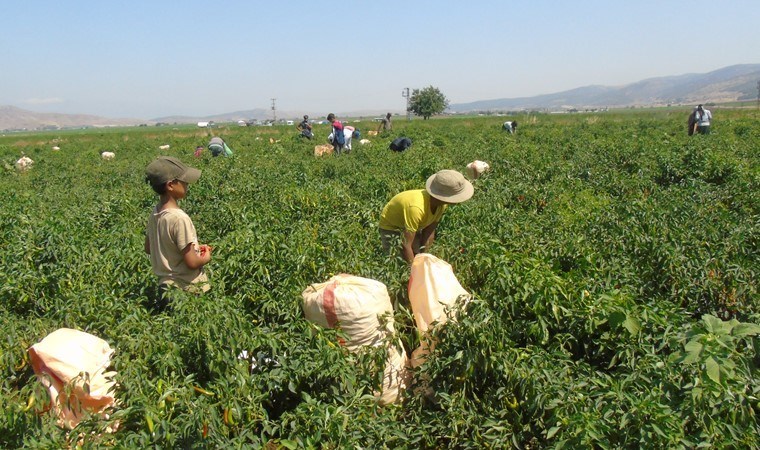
{"x":414,"y":215}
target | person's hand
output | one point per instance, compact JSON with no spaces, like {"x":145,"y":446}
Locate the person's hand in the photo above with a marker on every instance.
{"x":206,"y":249}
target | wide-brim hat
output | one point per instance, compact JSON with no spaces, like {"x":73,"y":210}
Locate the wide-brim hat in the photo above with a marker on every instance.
{"x":449,"y":186}
{"x":167,"y":168}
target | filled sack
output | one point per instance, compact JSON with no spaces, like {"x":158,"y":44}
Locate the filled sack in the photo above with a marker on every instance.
{"x":73,"y":365}
{"x":362,"y":308}
{"x":477,"y":168}
{"x":433,"y":293}
{"x":24,"y":163}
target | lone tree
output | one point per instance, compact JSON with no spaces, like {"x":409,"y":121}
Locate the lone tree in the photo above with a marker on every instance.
{"x":427,"y":102}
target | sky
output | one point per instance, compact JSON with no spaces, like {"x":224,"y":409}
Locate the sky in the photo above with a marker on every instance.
{"x":151,"y":59}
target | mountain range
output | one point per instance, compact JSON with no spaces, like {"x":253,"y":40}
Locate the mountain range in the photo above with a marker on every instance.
{"x":12,"y":118}
{"x":732,"y":83}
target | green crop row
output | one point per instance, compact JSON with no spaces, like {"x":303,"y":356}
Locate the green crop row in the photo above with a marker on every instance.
{"x":613,"y":260}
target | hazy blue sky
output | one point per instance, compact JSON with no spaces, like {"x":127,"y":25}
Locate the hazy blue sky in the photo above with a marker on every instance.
{"x":146,"y":59}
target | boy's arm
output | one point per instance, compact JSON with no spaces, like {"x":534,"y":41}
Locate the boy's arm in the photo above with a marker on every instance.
{"x":195,"y":260}
{"x":147,"y":245}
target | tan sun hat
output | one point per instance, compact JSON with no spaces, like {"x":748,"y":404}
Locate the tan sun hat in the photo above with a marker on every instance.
{"x":449,"y":186}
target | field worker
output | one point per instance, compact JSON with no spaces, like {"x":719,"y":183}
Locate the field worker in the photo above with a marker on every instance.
{"x":510,"y":126}
{"x":339,"y":140}
{"x":413,"y":215}
{"x":305,"y":128}
{"x":176,"y":256}
{"x":692,"y":122}
{"x":348,"y":134}
{"x":385,"y":123}
{"x":703,"y":120}
{"x":217,"y":146}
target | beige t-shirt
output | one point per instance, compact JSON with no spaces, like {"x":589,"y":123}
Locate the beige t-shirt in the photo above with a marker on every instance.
{"x":169,"y":232}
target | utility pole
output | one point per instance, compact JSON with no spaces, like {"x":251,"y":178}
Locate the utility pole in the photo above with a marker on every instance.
{"x":405,"y":94}
{"x":758,"y":95}
{"x":274,"y":111}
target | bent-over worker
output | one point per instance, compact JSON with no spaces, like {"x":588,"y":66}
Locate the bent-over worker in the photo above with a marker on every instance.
{"x":414,"y":215}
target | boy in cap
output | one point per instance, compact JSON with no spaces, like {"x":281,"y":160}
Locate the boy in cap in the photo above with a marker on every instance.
{"x":171,"y":241}
{"x":414,"y":215}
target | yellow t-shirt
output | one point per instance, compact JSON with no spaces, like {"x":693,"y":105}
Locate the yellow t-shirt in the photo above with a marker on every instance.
{"x":409,"y":211}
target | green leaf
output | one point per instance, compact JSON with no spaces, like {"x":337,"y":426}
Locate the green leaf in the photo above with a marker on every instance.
{"x":746,"y":329}
{"x":552,"y":432}
{"x":694,"y":349}
{"x":616,"y":318}
{"x":715,"y":325}
{"x":693,"y":346}
{"x":632,"y":325}
{"x":289,"y":444}
{"x":658,"y":430}
{"x":725,"y":341}
{"x":713,"y":369}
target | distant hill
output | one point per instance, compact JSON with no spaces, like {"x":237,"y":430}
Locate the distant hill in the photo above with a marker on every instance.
{"x":12,"y":118}
{"x":265,"y":114}
{"x":258,"y":114}
{"x":738,"y":82}
{"x":731,"y":83}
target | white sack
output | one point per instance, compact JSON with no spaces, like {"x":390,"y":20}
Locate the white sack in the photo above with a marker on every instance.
{"x":59,"y":359}
{"x":477,"y":168}
{"x":362,"y":308}
{"x":433,"y":293}
{"x":356,"y":303}
{"x":24,"y":163}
